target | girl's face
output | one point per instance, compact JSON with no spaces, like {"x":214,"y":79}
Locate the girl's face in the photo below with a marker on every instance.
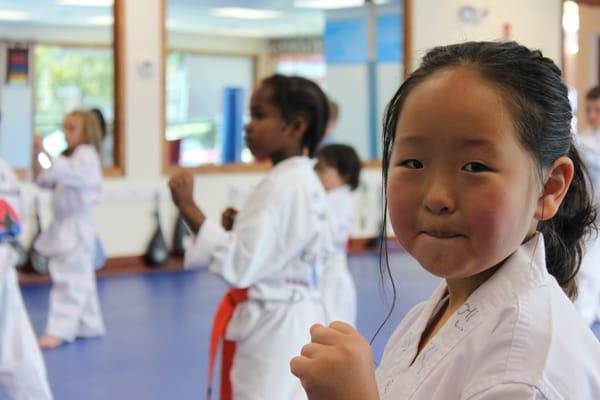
{"x":329,"y":176}
{"x":266,"y":133}
{"x":73,"y":130}
{"x":592,"y":112}
{"x":462,"y":191}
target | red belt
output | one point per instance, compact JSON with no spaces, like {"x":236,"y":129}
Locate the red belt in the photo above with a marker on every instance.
{"x":230,"y":301}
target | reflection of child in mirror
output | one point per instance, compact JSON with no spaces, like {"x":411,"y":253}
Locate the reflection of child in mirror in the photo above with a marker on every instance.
{"x":75,"y":178}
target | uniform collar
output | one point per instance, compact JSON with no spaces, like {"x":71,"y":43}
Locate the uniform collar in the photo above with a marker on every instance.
{"x":524,"y":269}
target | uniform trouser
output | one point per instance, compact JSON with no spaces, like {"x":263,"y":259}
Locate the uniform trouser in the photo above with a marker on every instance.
{"x":22,"y":371}
{"x":588,"y":281}
{"x":261,"y":364}
{"x":339,"y":294}
{"x":74,"y":306}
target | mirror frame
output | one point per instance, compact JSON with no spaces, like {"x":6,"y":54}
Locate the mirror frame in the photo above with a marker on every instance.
{"x":262,"y":166}
{"x":118,"y":167}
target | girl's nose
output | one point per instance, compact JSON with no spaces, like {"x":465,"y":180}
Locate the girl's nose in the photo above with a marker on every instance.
{"x":439,"y":199}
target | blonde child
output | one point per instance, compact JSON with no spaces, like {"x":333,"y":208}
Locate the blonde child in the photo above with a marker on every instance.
{"x":273,"y":255}
{"x":22,"y":371}
{"x":486,"y":189}
{"x":338,"y":167}
{"x":75,"y":179}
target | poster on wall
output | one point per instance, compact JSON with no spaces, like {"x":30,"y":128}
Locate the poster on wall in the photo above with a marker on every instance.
{"x":17,"y":66}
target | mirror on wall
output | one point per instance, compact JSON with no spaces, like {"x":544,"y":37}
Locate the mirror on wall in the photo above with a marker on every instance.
{"x":55,"y":56}
{"x":216,"y":54}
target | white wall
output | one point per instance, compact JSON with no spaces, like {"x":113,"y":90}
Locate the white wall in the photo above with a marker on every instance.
{"x":124,"y":215}
{"x":534,"y":23}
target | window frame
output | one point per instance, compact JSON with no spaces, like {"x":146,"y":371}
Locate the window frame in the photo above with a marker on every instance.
{"x":118,"y":167}
{"x":205,"y":168}
{"x":168,"y":169}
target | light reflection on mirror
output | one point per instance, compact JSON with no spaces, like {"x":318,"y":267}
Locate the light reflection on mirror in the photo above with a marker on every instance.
{"x":215,"y":53}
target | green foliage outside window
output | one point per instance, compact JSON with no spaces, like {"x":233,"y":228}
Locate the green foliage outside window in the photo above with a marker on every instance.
{"x":71,"y":77}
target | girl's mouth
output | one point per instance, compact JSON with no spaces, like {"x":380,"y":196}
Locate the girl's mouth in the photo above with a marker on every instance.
{"x":442,"y":234}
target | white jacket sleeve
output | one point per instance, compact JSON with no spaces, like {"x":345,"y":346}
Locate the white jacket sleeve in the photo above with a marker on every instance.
{"x":242,"y":256}
{"x":267,"y":234}
{"x":81,"y":170}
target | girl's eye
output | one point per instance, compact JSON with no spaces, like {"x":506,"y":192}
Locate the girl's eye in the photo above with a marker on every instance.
{"x":412,"y":164}
{"x":475,"y":167}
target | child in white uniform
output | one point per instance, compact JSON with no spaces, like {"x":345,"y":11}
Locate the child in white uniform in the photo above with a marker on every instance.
{"x":338,"y":167}
{"x":75,"y":179}
{"x":486,"y":189}
{"x":22,"y":370}
{"x":588,"y":300}
{"x":275,"y":248}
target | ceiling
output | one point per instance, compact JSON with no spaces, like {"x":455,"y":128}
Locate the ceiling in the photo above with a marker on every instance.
{"x":182,"y":16}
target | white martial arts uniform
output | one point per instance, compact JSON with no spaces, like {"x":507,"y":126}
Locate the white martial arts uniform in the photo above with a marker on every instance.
{"x":69,"y":241}
{"x":337,"y":286}
{"x":588,"y":278}
{"x":275,"y":249}
{"x":517,"y":337}
{"x":22,"y":370}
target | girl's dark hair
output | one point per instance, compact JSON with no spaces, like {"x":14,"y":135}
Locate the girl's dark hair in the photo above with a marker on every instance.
{"x":344,"y":159}
{"x":593,"y":93}
{"x":537,"y":99}
{"x":295,"y":97}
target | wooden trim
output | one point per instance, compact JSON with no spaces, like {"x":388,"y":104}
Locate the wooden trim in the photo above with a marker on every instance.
{"x":246,"y":168}
{"x":117,"y":266}
{"x":372,"y":164}
{"x":118,"y":168}
{"x":167,"y":168}
{"x":200,"y":52}
{"x":407,"y":13}
{"x":164,"y":148}
{"x":112,"y":172}
{"x":118,"y":92}
{"x":59,"y":43}
{"x":249,"y":168}
{"x":224,"y":168}
{"x":563,"y":63}
{"x":598,"y":59}
{"x":589,"y":2}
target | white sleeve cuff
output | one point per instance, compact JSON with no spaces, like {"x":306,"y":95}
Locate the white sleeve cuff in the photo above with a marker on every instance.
{"x":202,"y":246}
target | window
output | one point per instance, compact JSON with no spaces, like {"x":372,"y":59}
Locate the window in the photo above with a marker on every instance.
{"x":68,"y":77}
{"x":197,"y":86}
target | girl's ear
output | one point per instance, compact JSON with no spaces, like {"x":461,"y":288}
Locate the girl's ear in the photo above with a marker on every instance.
{"x":558,"y":180}
{"x":297,"y":127}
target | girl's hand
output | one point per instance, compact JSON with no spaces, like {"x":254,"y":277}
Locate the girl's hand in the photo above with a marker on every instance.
{"x":228,"y":217}
{"x":181,"y":185}
{"x":38,"y":146}
{"x":336,"y":365}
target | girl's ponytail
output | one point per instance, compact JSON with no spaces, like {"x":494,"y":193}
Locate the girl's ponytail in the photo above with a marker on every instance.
{"x":565,"y":233}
